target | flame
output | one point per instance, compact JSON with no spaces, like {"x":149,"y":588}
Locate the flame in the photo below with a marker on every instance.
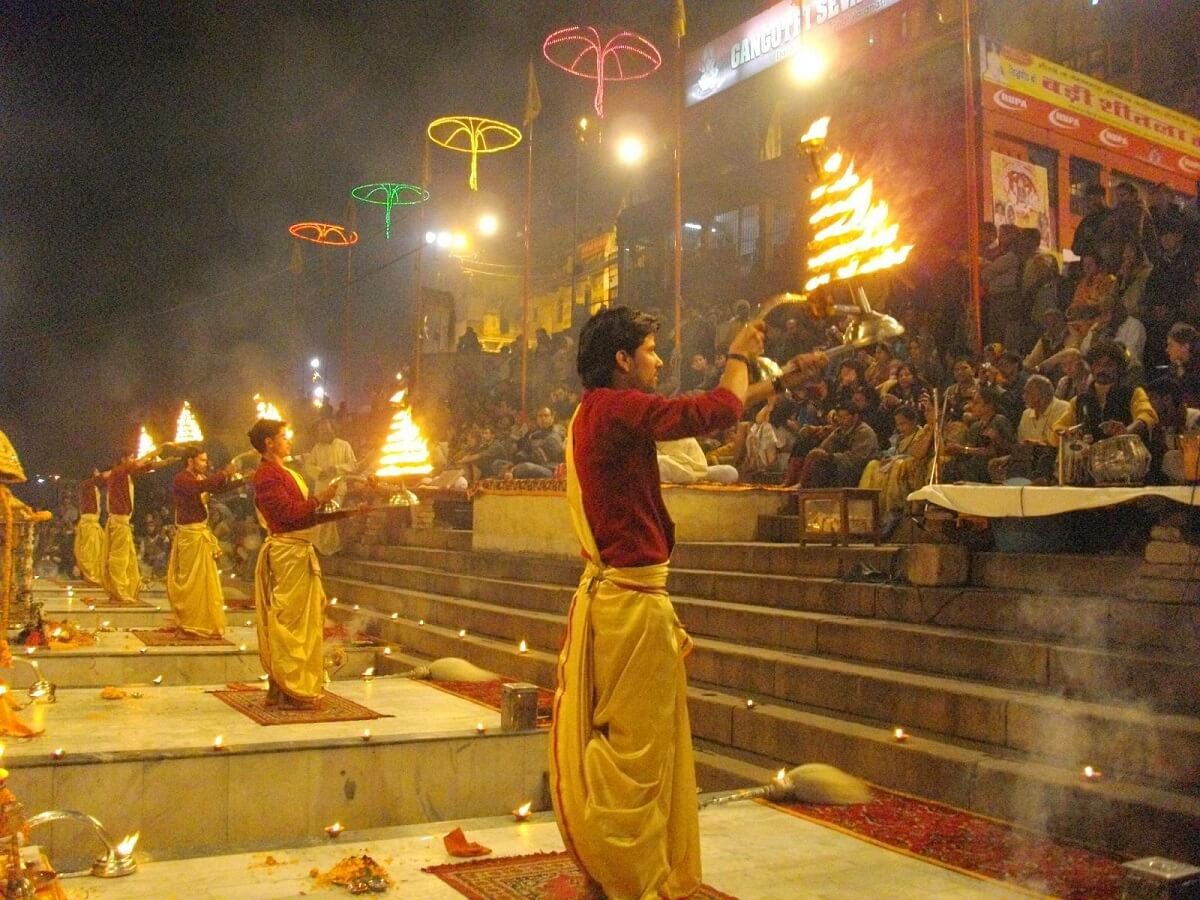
{"x":187,"y":429}
{"x":781,"y":775}
{"x":125,"y":847}
{"x":146,"y":444}
{"x":852,"y":235}
{"x":522,"y":811}
{"x":817,"y":131}
{"x":404,"y":452}
{"x":266,"y":409}
{"x":522,"y":648}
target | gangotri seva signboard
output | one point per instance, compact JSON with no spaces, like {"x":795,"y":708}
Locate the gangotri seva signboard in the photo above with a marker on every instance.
{"x":767,"y":39}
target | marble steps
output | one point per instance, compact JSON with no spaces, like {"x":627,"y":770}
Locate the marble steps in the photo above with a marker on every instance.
{"x":850,"y":621}
{"x":1017,"y":718}
{"x":1119,"y":814}
{"x":1061,"y":616}
{"x":148,"y":765}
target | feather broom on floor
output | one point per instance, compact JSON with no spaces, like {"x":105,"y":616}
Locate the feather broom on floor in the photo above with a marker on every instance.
{"x":816,"y":783}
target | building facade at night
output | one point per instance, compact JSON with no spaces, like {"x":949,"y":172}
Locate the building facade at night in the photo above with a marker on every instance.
{"x":895,"y":91}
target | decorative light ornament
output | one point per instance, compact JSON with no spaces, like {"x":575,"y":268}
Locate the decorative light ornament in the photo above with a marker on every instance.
{"x":581,"y":51}
{"x":405,"y":451}
{"x":187,"y":429}
{"x":474,"y":135}
{"x":851,"y":234}
{"x":388,"y":194}
{"x":146,"y":444}
{"x":323,"y":233}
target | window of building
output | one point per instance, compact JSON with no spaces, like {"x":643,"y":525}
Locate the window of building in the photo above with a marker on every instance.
{"x":772,"y":146}
{"x":748,"y":238}
{"x":724,"y":229}
{"x":1083,"y":172}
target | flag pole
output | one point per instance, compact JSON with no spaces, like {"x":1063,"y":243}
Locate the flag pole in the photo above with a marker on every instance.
{"x":419,"y":305}
{"x":679,"y":28}
{"x":533,"y":106}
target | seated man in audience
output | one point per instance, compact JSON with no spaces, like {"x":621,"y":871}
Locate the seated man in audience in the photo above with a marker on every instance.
{"x":840,"y":459}
{"x":682,"y":462}
{"x":1109,"y":406}
{"x":492,"y":457}
{"x":539,"y":450}
{"x":1042,"y":411}
{"x":1012,"y":383}
{"x":1174,"y":418}
{"x":967,"y":460}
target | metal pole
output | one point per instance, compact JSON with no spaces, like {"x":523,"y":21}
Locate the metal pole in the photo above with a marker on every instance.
{"x":575,"y":232}
{"x":972,"y":169}
{"x":525,"y":276}
{"x":346,"y":325}
{"x":418,"y":312}
{"x":677,"y":256}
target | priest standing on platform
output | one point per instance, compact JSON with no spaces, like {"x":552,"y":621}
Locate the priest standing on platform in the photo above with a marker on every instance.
{"x":193,"y":583}
{"x":329,"y":457}
{"x":288,"y":594}
{"x":91,"y":549}
{"x":622,"y":777}
{"x":122,"y":577}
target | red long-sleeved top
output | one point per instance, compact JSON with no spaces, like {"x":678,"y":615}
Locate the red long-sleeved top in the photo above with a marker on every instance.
{"x":120,"y":489}
{"x":89,"y":495}
{"x":617,"y":465}
{"x":279,"y":500}
{"x":188,"y":491}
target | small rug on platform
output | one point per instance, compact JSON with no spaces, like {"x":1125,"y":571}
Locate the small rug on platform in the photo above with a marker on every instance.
{"x":539,"y":876}
{"x":333,"y":708}
{"x":488,"y":693}
{"x":973,"y":844}
{"x":169,"y":637}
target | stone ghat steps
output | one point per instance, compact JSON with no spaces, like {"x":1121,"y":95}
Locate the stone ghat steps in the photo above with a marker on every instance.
{"x":940,"y":642}
{"x":810,"y":581}
{"x":1008,"y":719}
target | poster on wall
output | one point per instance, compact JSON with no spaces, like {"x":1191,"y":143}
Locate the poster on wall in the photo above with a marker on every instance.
{"x":1021,"y":196}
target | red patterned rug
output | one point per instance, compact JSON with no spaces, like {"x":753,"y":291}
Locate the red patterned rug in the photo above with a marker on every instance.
{"x":973,"y":844}
{"x":169,"y":637}
{"x":253,"y":703}
{"x":540,"y":876}
{"x":488,"y":693}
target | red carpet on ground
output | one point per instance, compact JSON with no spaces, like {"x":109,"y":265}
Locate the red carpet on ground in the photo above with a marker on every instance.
{"x":488,"y":693}
{"x":973,"y":844}
{"x":169,"y":637}
{"x":252,"y":703}
{"x":540,"y":876}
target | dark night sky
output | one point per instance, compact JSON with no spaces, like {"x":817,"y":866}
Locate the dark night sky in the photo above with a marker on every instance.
{"x":156,"y":153}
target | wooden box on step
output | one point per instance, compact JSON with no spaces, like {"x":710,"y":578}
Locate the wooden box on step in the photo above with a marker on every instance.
{"x":838,"y":516}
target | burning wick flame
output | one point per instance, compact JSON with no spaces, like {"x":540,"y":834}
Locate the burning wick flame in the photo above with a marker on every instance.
{"x":366,"y":735}
{"x":749,"y":704}
{"x":146,"y":444}
{"x":1091,"y":774}
{"x":187,"y":429}
{"x":219,"y":742}
{"x":58,"y":753}
{"x":125,"y":847}
{"x":334,"y":830}
{"x":368,"y":672}
{"x":479,"y":729}
{"x":900,"y":734}
{"x":817,"y":131}
{"x":781,"y":776}
{"x":404,"y":451}
{"x":522,"y":648}
{"x":462,"y":632}
{"x":521,"y":813}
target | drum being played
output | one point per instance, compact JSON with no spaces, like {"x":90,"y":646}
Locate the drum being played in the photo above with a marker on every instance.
{"x":1073,"y":462}
{"x":1121,"y":460}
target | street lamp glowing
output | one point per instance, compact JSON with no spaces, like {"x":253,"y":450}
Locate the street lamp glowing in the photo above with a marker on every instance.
{"x":431,"y":237}
{"x":631,"y":151}
{"x":444,"y":239}
{"x":808,"y":64}
{"x":488,"y":225}
{"x":583,"y":124}
{"x":315,"y":362}
{"x":459,"y":241}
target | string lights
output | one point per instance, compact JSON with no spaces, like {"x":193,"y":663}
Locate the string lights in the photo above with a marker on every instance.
{"x":389,"y":194}
{"x":583,"y":52}
{"x":324,"y":234}
{"x":473,"y":135}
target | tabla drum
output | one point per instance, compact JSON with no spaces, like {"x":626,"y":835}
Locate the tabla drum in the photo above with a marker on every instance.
{"x":1121,"y":460}
{"x":1073,"y":464}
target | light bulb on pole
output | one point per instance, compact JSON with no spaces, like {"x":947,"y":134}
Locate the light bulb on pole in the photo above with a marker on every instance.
{"x":631,"y":150}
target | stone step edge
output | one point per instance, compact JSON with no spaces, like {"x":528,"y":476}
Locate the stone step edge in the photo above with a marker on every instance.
{"x":863,"y":669}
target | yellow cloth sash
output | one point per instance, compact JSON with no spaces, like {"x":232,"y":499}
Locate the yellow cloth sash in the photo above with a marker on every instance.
{"x":91,"y":548}
{"x":622,"y":775}
{"x":193,"y":584}
{"x":122,"y":577}
{"x":290,"y":600}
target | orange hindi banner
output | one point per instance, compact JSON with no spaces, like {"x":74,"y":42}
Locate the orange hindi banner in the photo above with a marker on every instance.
{"x":1044,"y":93}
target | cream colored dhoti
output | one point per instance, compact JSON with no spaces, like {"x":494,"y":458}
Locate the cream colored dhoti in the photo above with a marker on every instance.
{"x":91,"y":548}
{"x":193,"y":584}
{"x":622,"y":775}
{"x":290,"y":600}
{"x":122,"y":577}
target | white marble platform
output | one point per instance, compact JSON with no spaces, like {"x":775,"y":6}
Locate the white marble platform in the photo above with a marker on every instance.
{"x":749,"y":851}
{"x":147,"y":764}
